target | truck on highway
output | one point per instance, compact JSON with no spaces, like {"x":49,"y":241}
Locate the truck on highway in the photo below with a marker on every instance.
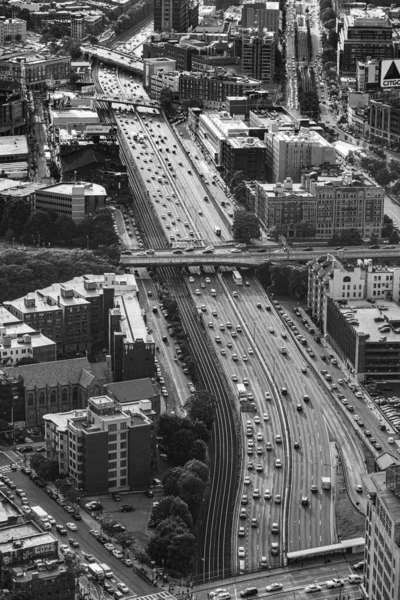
{"x":107,"y":571}
{"x":96,"y":571}
{"x":283,"y":350}
{"x":237,"y":278}
{"x":41,"y":517}
{"x":217,"y":230}
{"x":241,"y":390}
{"x":326,"y":483}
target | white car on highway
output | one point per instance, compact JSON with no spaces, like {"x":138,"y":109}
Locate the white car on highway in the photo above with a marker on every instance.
{"x":72,"y":526}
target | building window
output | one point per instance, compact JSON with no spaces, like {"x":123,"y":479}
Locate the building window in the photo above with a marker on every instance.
{"x":112,"y":437}
{"x":53,"y":397}
{"x":30,"y":400}
{"x":112,"y":465}
{"x":112,"y":446}
{"x":41,"y":398}
{"x":64,"y":396}
{"x":112,"y":427}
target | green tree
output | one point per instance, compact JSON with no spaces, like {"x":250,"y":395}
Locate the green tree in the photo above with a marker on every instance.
{"x":201,"y":407}
{"x":298,"y":282}
{"x":125,"y":539}
{"x":15,"y":215}
{"x":170,"y":506}
{"x":45,"y":468}
{"x":38,"y":224}
{"x":246,"y":226}
{"x":4,"y":426}
{"x":306,"y":229}
{"x":172,"y":546}
{"x":394,"y":237}
{"x":67,"y":489}
{"x":348,"y":237}
{"x":170,"y":480}
{"x":199,"y":468}
{"x":27,"y":361}
{"x":191,"y":490}
{"x":166,"y":100}
{"x":66,"y":229}
{"x":9,"y":236}
{"x":108,"y":523}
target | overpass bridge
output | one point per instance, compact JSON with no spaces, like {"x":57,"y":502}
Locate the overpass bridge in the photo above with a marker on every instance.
{"x":114,"y":58}
{"x":127,"y":99}
{"x":167,"y":258}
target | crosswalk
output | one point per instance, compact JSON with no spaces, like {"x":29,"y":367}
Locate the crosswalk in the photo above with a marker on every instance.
{"x":164,"y":595}
{"x":7,"y":468}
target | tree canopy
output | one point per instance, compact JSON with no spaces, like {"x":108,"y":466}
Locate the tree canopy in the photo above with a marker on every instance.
{"x":246,"y":226}
{"x":348,"y":237}
{"x":200,"y":407}
{"x":22,"y":272}
{"x":45,"y":468}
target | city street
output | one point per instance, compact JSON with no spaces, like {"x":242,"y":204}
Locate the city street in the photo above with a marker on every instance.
{"x":87,"y":542}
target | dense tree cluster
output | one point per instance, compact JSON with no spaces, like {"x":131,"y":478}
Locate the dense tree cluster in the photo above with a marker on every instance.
{"x":45,"y":468}
{"x":382,"y":171}
{"x":185,"y":438}
{"x":246,"y":226}
{"x":289,"y":280}
{"x":348,"y":237}
{"x":173,"y":542}
{"x":133,"y":16}
{"x":21,"y":272}
{"x":48,"y":228}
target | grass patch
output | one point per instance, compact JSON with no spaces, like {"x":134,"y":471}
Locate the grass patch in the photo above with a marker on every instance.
{"x":349,"y":522}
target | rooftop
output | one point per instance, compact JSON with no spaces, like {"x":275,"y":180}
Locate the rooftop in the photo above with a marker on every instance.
{"x":13,"y":144}
{"x":245,"y":142}
{"x":376,"y":483}
{"x":307,"y":136}
{"x":357,"y":15}
{"x":365,"y":313}
{"x":132,"y":391}
{"x":51,"y":374}
{"x":132,"y":323}
{"x":68,"y":188}
{"x":60,"y":420}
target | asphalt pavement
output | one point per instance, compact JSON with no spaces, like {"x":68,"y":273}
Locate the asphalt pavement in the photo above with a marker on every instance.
{"x":87,"y":542}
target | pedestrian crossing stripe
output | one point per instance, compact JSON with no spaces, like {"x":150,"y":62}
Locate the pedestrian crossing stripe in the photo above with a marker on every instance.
{"x":157,"y":596}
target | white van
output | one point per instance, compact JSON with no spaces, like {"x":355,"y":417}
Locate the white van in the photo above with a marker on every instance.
{"x":213,"y":293}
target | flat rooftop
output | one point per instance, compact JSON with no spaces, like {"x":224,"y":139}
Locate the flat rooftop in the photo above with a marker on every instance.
{"x":66,"y":188}
{"x":246,"y":142}
{"x":376,"y":482}
{"x":12,"y":145}
{"x":365,"y":313}
{"x":23,"y":531}
{"x":132,"y":322}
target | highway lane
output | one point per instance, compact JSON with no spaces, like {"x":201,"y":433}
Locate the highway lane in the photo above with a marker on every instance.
{"x":257,"y":541}
{"x":306,"y":530}
{"x":88,"y":543}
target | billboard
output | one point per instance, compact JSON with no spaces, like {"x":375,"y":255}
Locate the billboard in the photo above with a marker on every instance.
{"x":390,"y":73}
{"x":99,"y":129}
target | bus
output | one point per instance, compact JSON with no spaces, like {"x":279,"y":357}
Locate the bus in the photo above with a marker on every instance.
{"x":237,"y":278}
{"x":41,"y":517}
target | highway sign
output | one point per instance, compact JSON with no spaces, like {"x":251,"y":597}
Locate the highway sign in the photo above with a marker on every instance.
{"x":390,"y":73}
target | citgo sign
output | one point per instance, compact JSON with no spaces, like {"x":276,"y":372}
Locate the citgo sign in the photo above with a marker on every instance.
{"x":390,"y":73}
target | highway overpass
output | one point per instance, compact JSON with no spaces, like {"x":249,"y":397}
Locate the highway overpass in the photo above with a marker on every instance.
{"x":114,"y":58}
{"x":167,"y":258}
{"x":128,"y":99}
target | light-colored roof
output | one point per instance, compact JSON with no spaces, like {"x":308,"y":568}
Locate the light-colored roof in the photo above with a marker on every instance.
{"x":132,"y":391}
{"x":60,"y":420}
{"x":13,"y":145}
{"x":365,"y":313}
{"x":66,"y":188}
{"x":132,"y":322}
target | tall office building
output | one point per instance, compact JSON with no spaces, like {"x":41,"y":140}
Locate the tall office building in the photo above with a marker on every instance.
{"x":365,"y":33}
{"x":77,"y":26}
{"x":289,"y":154}
{"x":382,"y":535}
{"x":175,"y":15}
{"x":258,"y":54}
{"x":261,"y":14}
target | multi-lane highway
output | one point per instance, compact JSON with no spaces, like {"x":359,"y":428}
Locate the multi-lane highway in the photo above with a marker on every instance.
{"x":176,"y":207}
